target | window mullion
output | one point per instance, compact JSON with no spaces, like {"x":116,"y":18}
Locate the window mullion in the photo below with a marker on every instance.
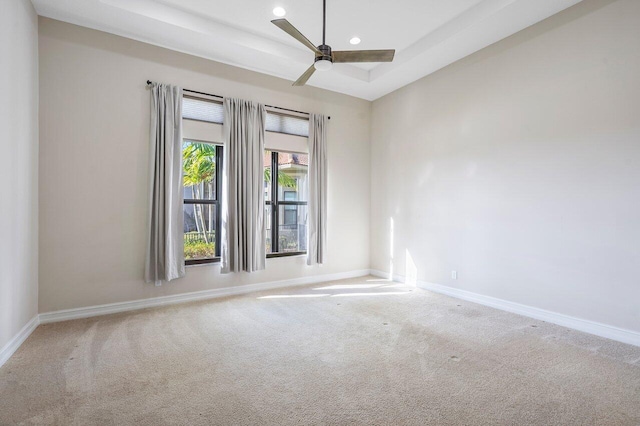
{"x":218,"y":164}
{"x":274,"y":202}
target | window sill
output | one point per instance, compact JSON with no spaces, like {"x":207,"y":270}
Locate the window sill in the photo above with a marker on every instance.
{"x":195,"y":262}
{"x":216,"y":260}
{"x":286,"y":254}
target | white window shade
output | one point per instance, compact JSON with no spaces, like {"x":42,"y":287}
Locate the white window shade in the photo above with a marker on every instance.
{"x":287,"y":124}
{"x":204,"y":118}
{"x":202,"y":110}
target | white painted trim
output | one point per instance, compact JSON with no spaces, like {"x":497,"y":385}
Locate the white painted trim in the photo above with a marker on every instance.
{"x":92,"y":311}
{"x":586,"y":326}
{"x":12,"y":345}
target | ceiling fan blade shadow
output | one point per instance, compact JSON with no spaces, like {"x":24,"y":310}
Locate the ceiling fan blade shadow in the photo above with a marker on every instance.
{"x":305,"y":76}
{"x":286,"y":26}
{"x":342,"y":56}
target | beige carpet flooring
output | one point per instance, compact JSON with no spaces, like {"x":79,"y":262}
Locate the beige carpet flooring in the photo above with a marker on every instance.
{"x":360,"y":351}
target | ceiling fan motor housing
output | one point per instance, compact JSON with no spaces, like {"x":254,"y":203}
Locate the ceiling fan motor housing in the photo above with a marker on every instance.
{"x":325,"y":53}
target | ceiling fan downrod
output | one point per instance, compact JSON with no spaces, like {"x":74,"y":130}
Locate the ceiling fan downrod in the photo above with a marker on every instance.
{"x":324,"y":19}
{"x":324,"y":59}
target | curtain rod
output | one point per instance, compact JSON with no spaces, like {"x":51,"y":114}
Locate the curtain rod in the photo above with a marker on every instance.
{"x":149,"y":82}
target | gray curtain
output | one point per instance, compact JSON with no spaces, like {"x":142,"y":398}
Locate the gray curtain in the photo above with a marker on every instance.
{"x":165,"y":246}
{"x":317,"y":189}
{"x":243,"y":230}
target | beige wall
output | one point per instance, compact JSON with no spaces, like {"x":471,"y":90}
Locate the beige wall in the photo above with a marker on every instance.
{"x":519,"y":167}
{"x":94,"y":118}
{"x":18,"y":167}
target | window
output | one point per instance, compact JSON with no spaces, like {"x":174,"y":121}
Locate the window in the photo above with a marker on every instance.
{"x":286,"y":202}
{"x":202,"y":166}
{"x":286,"y":197}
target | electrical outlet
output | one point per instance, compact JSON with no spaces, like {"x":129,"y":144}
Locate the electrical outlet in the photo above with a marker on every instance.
{"x":454,"y":275}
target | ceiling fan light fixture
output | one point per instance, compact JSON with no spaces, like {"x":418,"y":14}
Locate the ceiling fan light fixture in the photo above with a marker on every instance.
{"x":323,"y":65}
{"x":279,"y":12}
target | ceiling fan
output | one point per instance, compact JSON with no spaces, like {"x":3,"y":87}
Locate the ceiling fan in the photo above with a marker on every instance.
{"x":325,"y":57}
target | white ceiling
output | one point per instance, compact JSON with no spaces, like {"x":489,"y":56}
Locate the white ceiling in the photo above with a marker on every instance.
{"x":427,"y":34}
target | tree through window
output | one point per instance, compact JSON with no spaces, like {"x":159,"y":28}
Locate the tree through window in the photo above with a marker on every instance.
{"x":202,"y":163}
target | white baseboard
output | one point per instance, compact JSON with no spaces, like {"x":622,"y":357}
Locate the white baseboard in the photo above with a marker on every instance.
{"x":586,"y":326}
{"x":12,"y":345}
{"x":598,"y":329}
{"x":92,"y":311}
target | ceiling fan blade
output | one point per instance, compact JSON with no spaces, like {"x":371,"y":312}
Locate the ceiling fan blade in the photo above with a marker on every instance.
{"x":286,"y":26}
{"x":364,"y":55}
{"x":304,"y":77}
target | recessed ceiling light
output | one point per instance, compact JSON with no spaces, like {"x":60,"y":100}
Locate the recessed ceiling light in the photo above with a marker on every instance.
{"x":354,"y":40}
{"x":279,"y":11}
